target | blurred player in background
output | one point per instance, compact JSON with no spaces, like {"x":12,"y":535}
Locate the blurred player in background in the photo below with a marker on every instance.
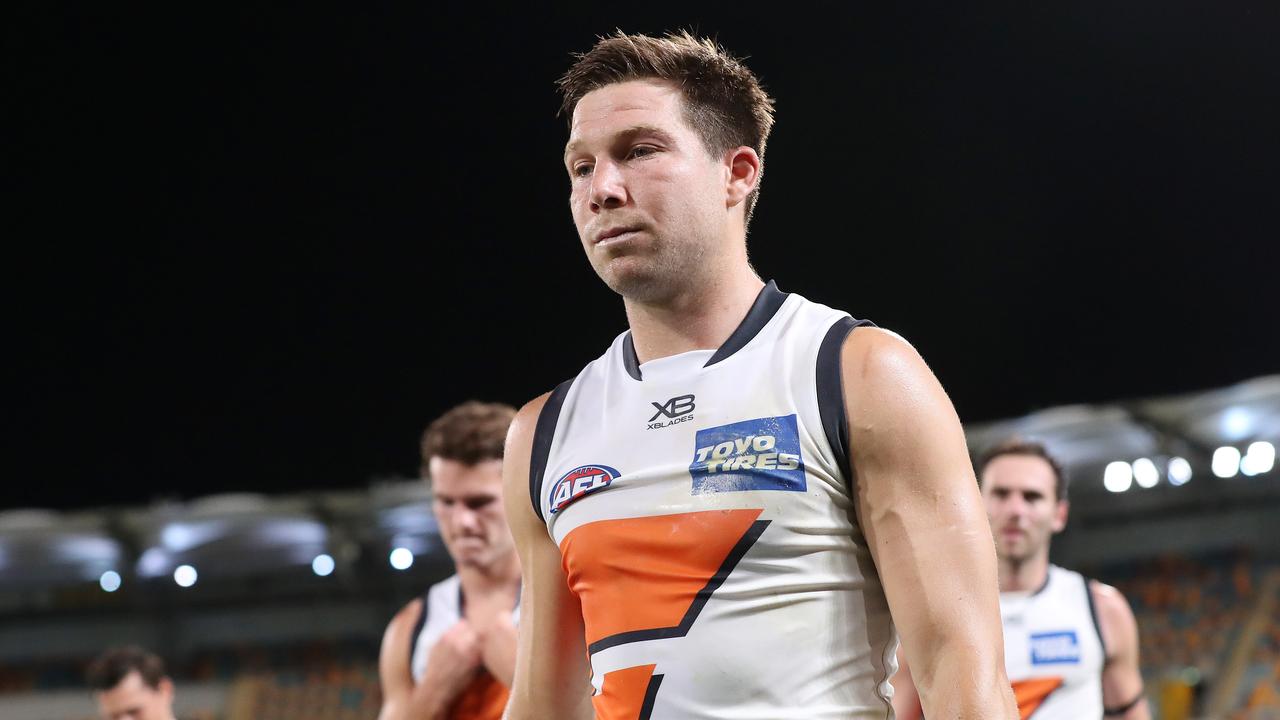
{"x":451,"y":653}
{"x":130,"y":683}
{"x":717,"y":517}
{"x":1071,"y":643}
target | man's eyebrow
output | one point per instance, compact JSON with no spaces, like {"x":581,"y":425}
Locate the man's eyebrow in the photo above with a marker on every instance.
{"x":626,"y":134}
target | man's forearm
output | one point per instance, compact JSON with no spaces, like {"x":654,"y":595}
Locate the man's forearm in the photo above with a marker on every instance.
{"x":965,"y":683}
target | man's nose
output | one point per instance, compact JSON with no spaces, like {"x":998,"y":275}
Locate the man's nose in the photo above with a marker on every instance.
{"x":465,"y":518}
{"x":608,"y":188}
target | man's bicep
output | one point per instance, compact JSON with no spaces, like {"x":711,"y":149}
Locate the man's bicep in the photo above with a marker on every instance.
{"x":1122,"y":683}
{"x":551,"y":675}
{"x":919,"y":507}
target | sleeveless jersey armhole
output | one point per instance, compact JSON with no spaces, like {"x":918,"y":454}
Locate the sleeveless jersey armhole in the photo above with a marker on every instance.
{"x":543,"y":433}
{"x":418,"y":627}
{"x":830,"y":389}
{"x":1093,"y":614}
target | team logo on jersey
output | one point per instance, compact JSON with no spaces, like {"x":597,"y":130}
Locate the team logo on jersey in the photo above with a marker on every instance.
{"x":677,"y":410}
{"x":1055,"y":647}
{"x":578,"y":482}
{"x":760,"y":454}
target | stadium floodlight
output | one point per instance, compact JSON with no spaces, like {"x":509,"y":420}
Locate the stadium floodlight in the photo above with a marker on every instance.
{"x":1145,"y":473}
{"x":401,"y":558}
{"x":1236,"y":424}
{"x":1179,"y":471}
{"x":1226,"y":462}
{"x":110,"y":581}
{"x":1259,"y":458}
{"x":185,"y":576}
{"x":1118,"y":476}
{"x":322,"y":565}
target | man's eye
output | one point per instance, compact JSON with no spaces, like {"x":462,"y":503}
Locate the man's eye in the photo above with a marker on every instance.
{"x":582,"y":170}
{"x":641,"y":151}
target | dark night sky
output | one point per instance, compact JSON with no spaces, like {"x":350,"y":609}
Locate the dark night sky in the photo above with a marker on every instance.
{"x":260,"y":249}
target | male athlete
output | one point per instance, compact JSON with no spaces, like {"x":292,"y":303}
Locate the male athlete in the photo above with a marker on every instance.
{"x":716,"y":518}
{"x":1071,"y":644}
{"x":130,"y":683}
{"x":451,"y":653}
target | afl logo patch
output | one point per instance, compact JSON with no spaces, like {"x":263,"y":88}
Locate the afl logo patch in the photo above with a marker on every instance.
{"x":578,"y":482}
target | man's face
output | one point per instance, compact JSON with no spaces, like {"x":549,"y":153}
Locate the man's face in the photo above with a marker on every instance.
{"x":1022,"y":505}
{"x":467,"y":501}
{"x":648,"y":199}
{"x":133,"y":699}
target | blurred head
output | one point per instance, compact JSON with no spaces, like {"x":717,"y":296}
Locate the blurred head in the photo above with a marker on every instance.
{"x":462,"y":461}
{"x":129,"y":683}
{"x":1025,"y":491}
{"x":666,"y":149}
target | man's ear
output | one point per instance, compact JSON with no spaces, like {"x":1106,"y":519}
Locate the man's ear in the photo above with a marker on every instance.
{"x":1060,"y":516}
{"x":743,"y":165}
{"x":165,"y":688}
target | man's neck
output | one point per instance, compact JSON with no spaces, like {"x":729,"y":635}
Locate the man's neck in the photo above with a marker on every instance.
{"x":700,"y":318}
{"x":1027,"y":575}
{"x":500,"y":576}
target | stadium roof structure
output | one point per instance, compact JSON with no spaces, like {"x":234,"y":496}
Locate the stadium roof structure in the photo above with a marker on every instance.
{"x":1152,"y":458}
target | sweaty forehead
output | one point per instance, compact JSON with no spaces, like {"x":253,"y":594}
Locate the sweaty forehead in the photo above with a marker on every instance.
{"x":621,"y":105}
{"x":450,"y":478}
{"x":1021,"y":472}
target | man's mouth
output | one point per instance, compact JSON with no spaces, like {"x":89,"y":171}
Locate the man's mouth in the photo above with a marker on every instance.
{"x":615,"y":233}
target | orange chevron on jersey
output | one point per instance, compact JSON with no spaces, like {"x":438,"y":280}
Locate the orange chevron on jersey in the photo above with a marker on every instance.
{"x":642,"y":575}
{"x":627,"y":694}
{"x":1031,"y":693}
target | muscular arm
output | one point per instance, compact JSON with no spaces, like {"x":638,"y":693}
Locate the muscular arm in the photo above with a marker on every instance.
{"x":551,"y":673}
{"x":1121,"y":676}
{"x":918,"y":505}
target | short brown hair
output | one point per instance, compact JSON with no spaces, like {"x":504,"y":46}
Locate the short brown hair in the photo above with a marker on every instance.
{"x":1023,"y":446}
{"x":116,"y":663}
{"x":723,"y":100}
{"x":469,"y":433}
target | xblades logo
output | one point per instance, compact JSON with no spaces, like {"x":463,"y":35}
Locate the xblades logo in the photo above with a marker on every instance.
{"x":677,"y":410}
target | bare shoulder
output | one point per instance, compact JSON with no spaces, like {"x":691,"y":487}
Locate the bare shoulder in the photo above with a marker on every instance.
{"x":403,"y":622}
{"x":393,"y":659}
{"x":887,"y":385}
{"x":525,"y":423}
{"x":1116,"y":622}
{"x":880,"y":366}
{"x":515,"y":463}
{"x":872,"y":349}
{"x":1111,"y":605}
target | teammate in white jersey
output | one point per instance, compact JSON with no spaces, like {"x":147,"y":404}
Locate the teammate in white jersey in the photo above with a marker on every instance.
{"x":716,"y":518}
{"x":451,"y":653}
{"x":1071,"y":644}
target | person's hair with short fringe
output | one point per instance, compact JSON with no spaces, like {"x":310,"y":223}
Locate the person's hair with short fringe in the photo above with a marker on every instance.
{"x":1023,"y":446}
{"x":469,"y":433}
{"x":113,"y":665}
{"x":723,"y":100}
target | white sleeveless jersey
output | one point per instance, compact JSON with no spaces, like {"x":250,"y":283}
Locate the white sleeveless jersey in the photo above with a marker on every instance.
{"x":702,"y":508}
{"x":1053,"y":649}
{"x":441,"y":610}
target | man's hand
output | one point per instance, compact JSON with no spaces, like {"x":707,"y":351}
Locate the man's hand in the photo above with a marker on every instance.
{"x":498,"y":647}
{"x":452,"y":665}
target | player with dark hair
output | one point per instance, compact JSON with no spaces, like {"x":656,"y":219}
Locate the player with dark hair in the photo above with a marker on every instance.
{"x":726,"y":514}
{"x":451,"y":653}
{"x":1071,"y":643}
{"x":130,"y":683}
